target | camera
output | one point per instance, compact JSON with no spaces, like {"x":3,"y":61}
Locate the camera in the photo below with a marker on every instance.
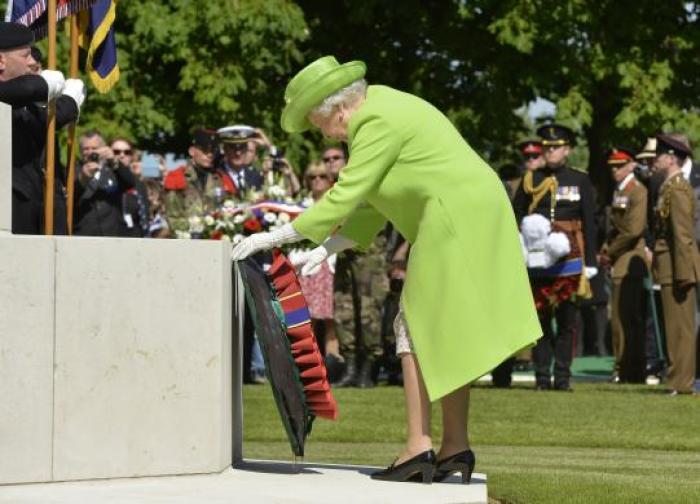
{"x":277,"y":155}
{"x":93,"y":157}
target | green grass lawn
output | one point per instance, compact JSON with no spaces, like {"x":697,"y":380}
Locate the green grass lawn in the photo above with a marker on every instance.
{"x":602,"y":443}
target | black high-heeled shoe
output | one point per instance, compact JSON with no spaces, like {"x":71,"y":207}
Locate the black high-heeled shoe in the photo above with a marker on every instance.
{"x":421,"y":466}
{"x":463,"y":462}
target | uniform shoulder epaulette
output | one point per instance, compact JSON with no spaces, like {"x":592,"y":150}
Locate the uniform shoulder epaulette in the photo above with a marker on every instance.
{"x":631,"y":186}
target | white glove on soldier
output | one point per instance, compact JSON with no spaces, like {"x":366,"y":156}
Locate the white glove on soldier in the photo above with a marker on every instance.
{"x":313,"y":260}
{"x":261,"y":241}
{"x":55,"y":81}
{"x":76,"y":90}
{"x":590,"y":271}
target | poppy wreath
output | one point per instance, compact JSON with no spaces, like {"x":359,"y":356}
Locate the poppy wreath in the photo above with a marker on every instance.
{"x":305,"y":351}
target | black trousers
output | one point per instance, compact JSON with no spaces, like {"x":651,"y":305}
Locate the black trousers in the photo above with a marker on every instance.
{"x":633,"y":303}
{"x":559,"y":345}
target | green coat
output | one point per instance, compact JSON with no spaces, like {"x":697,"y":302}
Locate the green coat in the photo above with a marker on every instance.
{"x":467,"y":297}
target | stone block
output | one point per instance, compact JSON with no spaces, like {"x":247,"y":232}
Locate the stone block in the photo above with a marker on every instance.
{"x":143,"y":358}
{"x":5,"y":168}
{"x":26,"y":357}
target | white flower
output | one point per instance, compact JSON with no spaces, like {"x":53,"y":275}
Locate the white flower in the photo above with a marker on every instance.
{"x":229,"y":204}
{"x":183,"y":235}
{"x":269,"y":217}
{"x":238,"y":219}
{"x":209,"y":220}
{"x":196,"y":224}
{"x":226,"y":238}
{"x":237,"y":238}
{"x":283,"y":218}
{"x":276,"y":191}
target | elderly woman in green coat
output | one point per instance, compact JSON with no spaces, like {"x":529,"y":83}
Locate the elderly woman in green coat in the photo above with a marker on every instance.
{"x":466,"y":303}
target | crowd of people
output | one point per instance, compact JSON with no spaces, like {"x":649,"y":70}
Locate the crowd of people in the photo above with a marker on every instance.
{"x":642,"y":245}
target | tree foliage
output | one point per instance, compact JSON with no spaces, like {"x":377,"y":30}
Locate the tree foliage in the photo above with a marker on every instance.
{"x":617,"y":70}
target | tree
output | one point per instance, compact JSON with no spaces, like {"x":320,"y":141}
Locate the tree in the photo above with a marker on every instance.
{"x":187,"y":63}
{"x":618,"y":71}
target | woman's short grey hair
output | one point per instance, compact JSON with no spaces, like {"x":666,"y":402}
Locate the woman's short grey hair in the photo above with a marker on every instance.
{"x":347,"y":96}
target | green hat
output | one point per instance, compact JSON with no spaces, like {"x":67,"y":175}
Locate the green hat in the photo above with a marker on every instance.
{"x":312,"y":85}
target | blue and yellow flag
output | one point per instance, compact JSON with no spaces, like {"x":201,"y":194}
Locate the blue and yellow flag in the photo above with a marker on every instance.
{"x":98,"y":39}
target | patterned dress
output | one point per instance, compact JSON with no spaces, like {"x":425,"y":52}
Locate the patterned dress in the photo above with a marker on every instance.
{"x":318,"y":291}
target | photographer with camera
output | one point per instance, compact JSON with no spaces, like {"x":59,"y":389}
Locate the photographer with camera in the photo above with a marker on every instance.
{"x":277,"y":170}
{"x":102,"y":182}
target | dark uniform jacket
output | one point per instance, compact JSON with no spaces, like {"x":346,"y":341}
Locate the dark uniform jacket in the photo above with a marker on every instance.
{"x":29,"y":122}
{"x":574,"y":201}
{"x":628,"y":217}
{"x":676,"y":257}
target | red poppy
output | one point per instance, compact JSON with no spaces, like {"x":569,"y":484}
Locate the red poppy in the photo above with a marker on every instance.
{"x":252,"y":225}
{"x":216,"y":235}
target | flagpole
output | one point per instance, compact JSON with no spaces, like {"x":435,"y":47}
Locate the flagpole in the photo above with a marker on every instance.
{"x":51,"y":129}
{"x":74,"y":29}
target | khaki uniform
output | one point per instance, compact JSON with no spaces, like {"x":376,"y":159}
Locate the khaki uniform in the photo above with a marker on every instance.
{"x":192,"y":196}
{"x":625,"y":247}
{"x":676,"y":261}
{"x":358,"y":314}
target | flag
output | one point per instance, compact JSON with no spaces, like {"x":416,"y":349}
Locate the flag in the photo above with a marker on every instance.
{"x":97,"y":37}
{"x":32,"y":13}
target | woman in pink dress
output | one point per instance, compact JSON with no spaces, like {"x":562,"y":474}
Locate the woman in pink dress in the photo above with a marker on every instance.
{"x":318,"y":287}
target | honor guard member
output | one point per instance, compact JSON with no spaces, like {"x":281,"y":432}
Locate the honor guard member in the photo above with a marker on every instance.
{"x":565,"y":197}
{"x":27,"y":94}
{"x":623,"y":251}
{"x":676,"y":262}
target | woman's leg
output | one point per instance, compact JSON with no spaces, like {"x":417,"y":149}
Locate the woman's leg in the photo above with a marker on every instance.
{"x":417,"y":409}
{"x":332,"y":345}
{"x":455,"y":410}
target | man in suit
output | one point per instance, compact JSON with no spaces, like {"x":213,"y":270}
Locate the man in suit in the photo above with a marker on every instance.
{"x":677,"y":262}
{"x":240,"y":144}
{"x":624,"y":252}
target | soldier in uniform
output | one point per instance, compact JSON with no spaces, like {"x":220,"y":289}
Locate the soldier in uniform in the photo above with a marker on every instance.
{"x":624,"y":252}
{"x":360,"y":288}
{"x":195,"y":188}
{"x":676,"y":262}
{"x":26,"y":93}
{"x":565,"y":197}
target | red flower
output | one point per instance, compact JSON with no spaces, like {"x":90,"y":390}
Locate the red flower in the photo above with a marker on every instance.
{"x":216,"y":235}
{"x":252,"y":225}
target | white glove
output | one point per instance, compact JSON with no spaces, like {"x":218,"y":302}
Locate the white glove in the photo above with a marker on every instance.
{"x":262,"y":241}
{"x":590,"y":271}
{"x":313,"y":260}
{"x":55,"y":81}
{"x":76,"y":90}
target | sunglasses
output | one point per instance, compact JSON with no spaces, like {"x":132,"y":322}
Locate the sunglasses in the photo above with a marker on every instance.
{"x":314,"y":177}
{"x":118,"y":152}
{"x":332,"y":158}
{"x":530,"y":157}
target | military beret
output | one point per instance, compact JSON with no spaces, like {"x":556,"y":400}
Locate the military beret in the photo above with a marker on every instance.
{"x":619,"y":156}
{"x":555,"y":135}
{"x":529,"y":147}
{"x":668,"y":144}
{"x":238,"y":133}
{"x":14,"y":35}
{"x":203,"y":137}
{"x":649,"y":150}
